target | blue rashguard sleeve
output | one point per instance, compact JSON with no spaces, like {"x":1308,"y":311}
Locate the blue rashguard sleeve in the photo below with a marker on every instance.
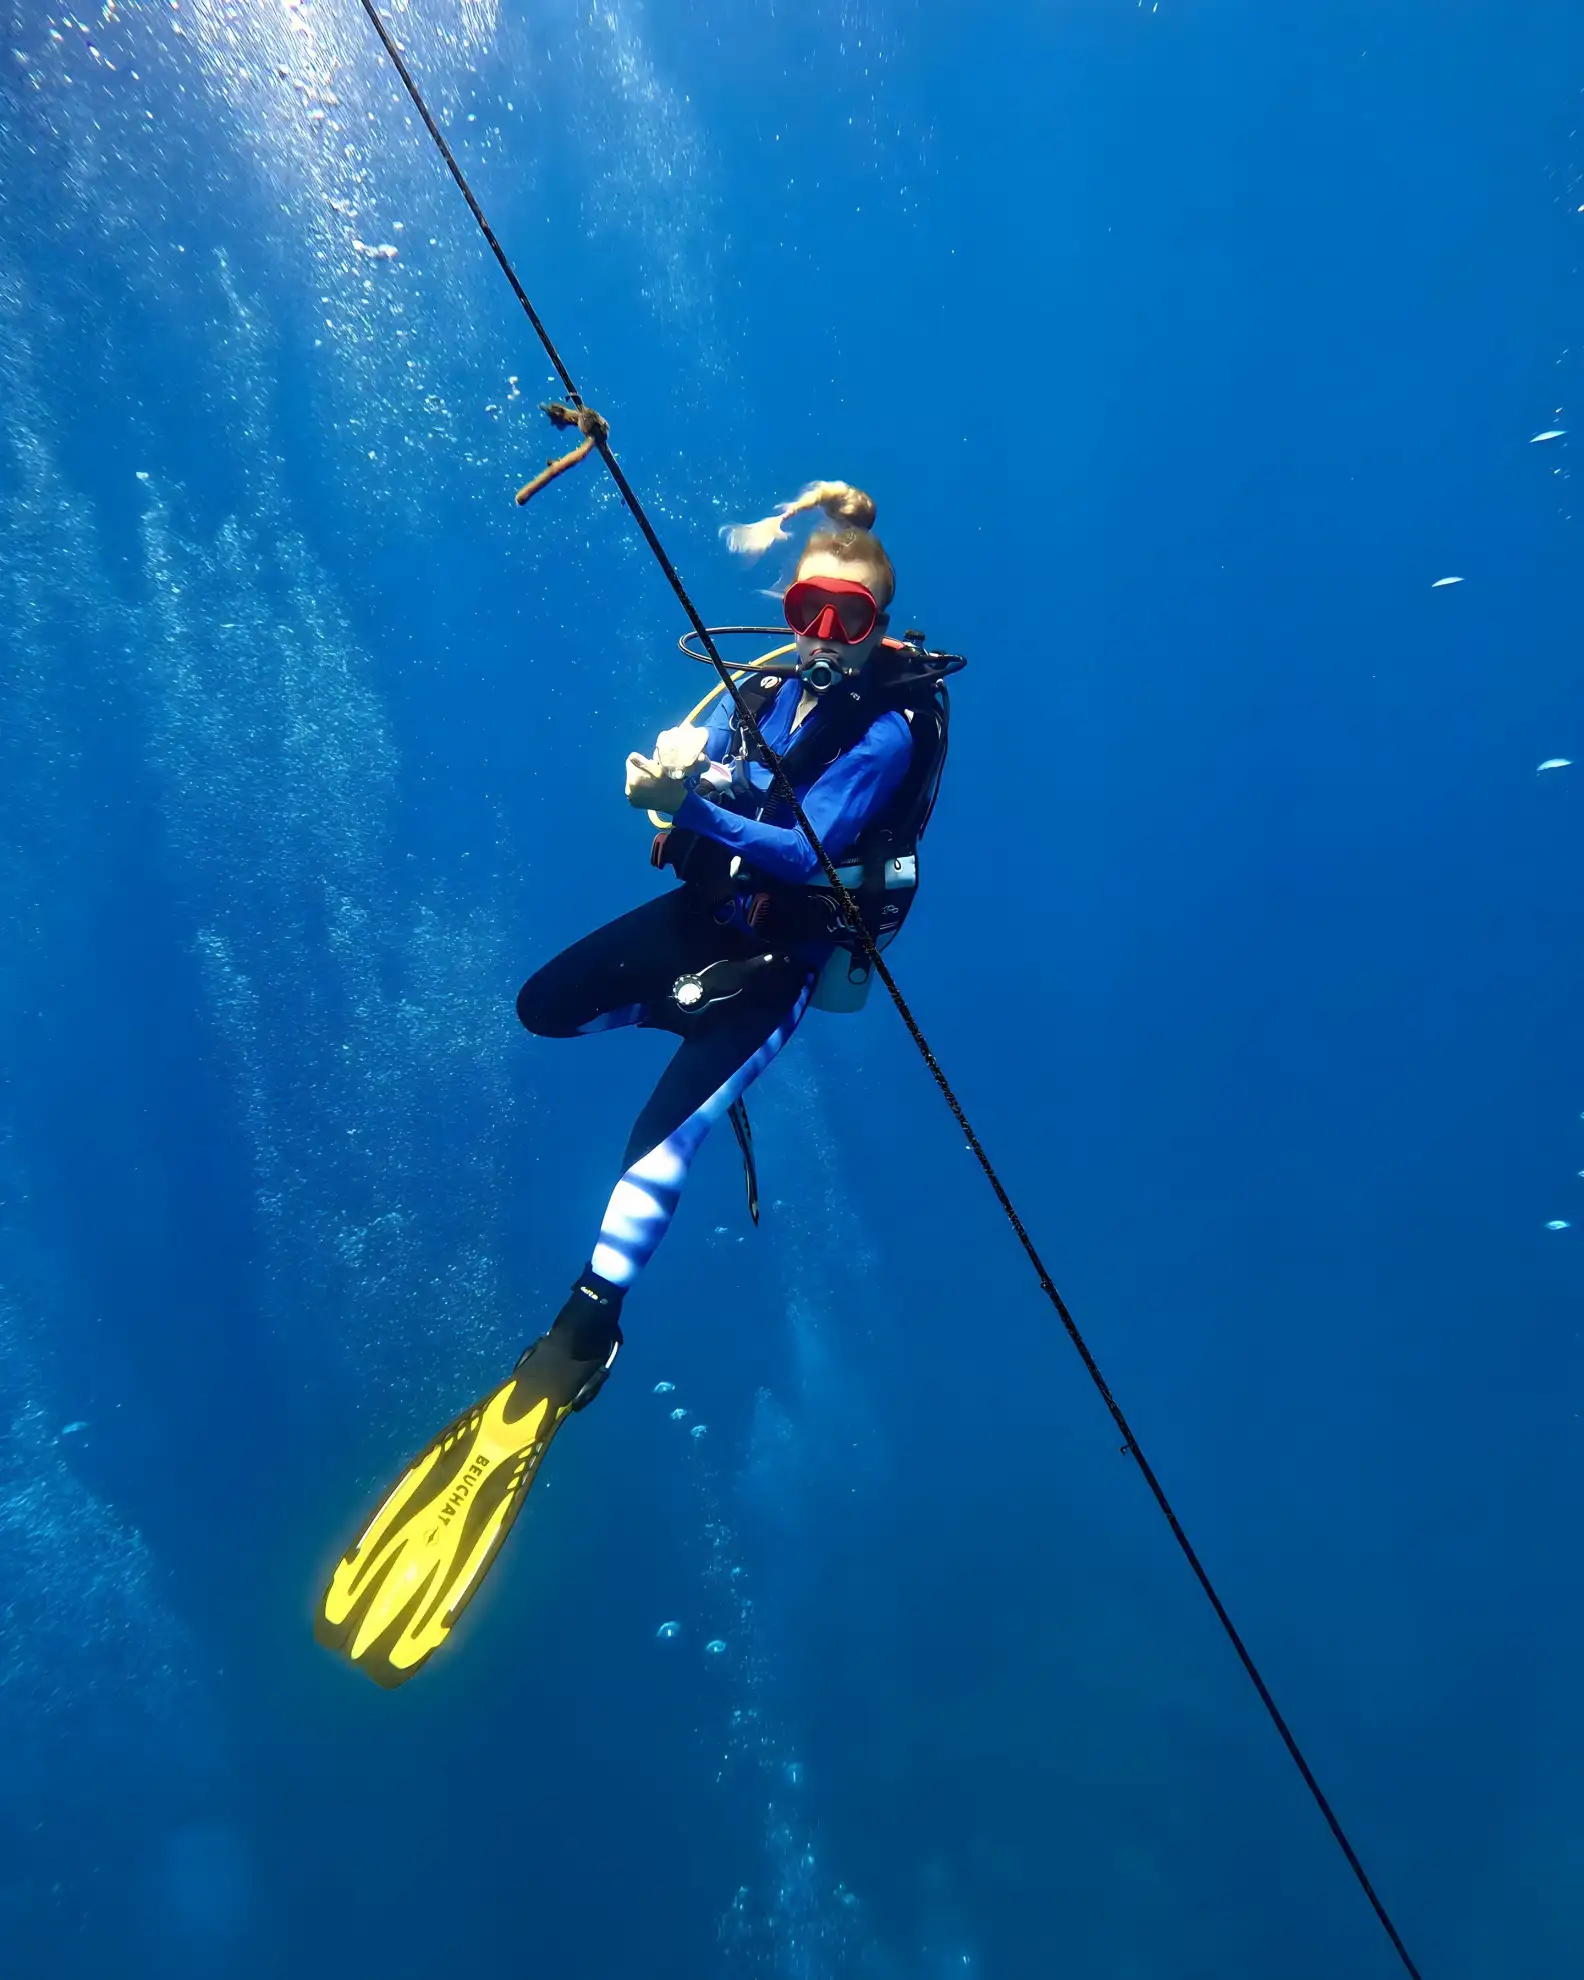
{"x":838,"y":806}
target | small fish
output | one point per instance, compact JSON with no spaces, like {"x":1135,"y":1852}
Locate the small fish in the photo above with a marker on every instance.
{"x":1559,"y":1224}
{"x":664,"y":1388}
{"x":1443,"y":581}
{"x":1555,"y":763}
{"x":1551,"y":433}
{"x":71,"y":1429}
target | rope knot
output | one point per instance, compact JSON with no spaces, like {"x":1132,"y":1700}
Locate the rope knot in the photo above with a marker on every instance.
{"x":595,"y":432}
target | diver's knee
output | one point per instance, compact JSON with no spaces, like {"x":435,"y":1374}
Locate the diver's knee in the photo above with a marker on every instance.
{"x":537,"y":1008}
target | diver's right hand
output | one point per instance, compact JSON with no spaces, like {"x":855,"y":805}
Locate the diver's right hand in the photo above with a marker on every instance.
{"x":645,"y":783}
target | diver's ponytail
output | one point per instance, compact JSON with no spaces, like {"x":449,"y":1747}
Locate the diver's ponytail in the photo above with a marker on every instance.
{"x":845,"y":505}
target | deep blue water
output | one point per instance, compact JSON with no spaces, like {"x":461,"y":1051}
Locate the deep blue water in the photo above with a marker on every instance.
{"x":1183,"y":348}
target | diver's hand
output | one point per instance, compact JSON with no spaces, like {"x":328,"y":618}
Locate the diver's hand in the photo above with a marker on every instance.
{"x":679,"y":750}
{"x":650,"y":788}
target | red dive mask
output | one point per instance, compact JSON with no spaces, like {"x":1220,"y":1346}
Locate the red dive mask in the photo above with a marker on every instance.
{"x":831,"y":608}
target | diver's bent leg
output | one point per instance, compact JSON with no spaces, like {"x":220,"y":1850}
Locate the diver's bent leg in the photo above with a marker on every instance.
{"x":611,"y":976}
{"x":710,"y":1071}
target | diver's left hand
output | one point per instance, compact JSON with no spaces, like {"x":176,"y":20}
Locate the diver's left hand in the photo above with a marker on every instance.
{"x":679,"y":750}
{"x":649,"y":788}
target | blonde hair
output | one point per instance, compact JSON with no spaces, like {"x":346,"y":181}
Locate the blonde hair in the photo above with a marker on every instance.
{"x":850,"y":543}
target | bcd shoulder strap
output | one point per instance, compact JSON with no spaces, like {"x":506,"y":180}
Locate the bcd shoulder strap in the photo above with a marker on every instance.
{"x":818,"y":744}
{"x":756,"y":696}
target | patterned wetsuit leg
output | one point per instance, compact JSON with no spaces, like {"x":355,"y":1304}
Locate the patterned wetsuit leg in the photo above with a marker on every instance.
{"x":624,"y":973}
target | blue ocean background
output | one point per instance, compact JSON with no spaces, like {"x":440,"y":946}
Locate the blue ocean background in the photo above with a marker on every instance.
{"x":1185,"y":348}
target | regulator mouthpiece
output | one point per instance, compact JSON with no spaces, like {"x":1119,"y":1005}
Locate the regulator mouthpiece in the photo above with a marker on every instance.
{"x":820,"y":675}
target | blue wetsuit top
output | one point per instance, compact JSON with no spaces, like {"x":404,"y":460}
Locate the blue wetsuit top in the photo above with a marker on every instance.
{"x":838,"y":803}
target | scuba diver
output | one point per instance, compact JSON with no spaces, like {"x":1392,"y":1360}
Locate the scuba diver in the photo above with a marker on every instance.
{"x":729,"y":960}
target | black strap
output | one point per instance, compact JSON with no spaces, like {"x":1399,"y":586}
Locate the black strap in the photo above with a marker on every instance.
{"x":871,"y":898}
{"x":737,"y":1114}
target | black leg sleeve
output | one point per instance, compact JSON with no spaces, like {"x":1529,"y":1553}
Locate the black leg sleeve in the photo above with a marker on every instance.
{"x":614,"y":975}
